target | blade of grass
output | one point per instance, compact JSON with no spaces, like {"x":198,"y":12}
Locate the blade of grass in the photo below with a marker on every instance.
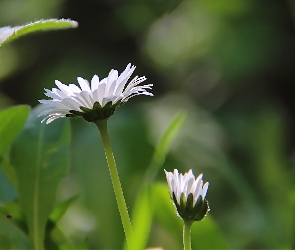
{"x":144,"y":210}
{"x":163,"y":146}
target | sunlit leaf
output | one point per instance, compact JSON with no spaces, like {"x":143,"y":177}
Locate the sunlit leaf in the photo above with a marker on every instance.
{"x":7,"y":33}
{"x":40,"y":157}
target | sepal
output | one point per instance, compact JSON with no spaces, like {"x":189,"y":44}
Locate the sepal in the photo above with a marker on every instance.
{"x":189,"y":212}
{"x":96,"y":113}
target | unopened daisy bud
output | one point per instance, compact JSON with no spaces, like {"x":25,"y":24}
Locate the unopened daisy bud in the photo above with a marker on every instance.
{"x":95,"y":101}
{"x":188,"y":195}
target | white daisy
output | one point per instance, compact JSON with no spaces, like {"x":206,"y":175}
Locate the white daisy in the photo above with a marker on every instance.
{"x":188,"y":194}
{"x":94,"y":101}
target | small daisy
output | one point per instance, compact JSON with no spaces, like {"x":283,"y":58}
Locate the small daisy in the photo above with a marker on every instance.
{"x":188,"y":195}
{"x":94,"y":101}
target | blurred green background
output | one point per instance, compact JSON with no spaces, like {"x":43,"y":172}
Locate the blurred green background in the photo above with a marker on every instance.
{"x":228,"y":64}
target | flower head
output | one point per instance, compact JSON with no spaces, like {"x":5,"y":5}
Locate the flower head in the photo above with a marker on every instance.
{"x":94,"y":101}
{"x":188,"y":195}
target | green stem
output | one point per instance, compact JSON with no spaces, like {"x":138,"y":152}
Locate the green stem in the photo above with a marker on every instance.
{"x":187,"y":235}
{"x":102,"y":126}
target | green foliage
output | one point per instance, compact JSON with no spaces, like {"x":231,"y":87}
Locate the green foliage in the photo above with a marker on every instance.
{"x":12,"y":234}
{"x":40,"y":157}
{"x":269,"y":159}
{"x":163,"y":145}
{"x":142,"y":218}
{"x":17,"y":217}
{"x":144,"y":208}
{"x":8,"y":34}
{"x":12,"y":121}
{"x":60,"y":209}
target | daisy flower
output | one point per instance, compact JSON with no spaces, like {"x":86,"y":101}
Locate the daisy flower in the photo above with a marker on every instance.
{"x":94,"y":101}
{"x":188,"y":194}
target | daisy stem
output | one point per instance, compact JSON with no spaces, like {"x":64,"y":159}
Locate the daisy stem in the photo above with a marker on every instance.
{"x":102,"y":126}
{"x":187,"y":235}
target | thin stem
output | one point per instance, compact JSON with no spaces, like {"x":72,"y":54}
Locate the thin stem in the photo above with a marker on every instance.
{"x":187,"y":235}
{"x":102,"y":126}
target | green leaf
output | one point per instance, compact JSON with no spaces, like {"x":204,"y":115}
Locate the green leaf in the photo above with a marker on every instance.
{"x":12,"y":235}
{"x":17,"y":217}
{"x":143,"y":210}
{"x":142,"y":219}
{"x":7,"y":190}
{"x":60,"y":209}
{"x":57,"y":237}
{"x":165,"y":213}
{"x":12,"y":121}
{"x":164,"y":144}
{"x":8,"y":34}
{"x":40,"y":157}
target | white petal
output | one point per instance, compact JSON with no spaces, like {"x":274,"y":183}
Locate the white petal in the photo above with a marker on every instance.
{"x":60,"y":93}
{"x":205,"y":188}
{"x":111,"y":89}
{"x":64,"y":88}
{"x":112,"y":78}
{"x":196,"y":185}
{"x":105,"y":100}
{"x":94,"y":83}
{"x":199,"y":190}
{"x":135,"y":82}
{"x":169,"y":178}
{"x":51,"y":94}
{"x":74,"y":88}
{"x":71,"y":103}
{"x":87,"y":99}
{"x":84,"y":84}
{"x":52,"y":118}
{"x":123,"y":78}
{"x":99,"y":93}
